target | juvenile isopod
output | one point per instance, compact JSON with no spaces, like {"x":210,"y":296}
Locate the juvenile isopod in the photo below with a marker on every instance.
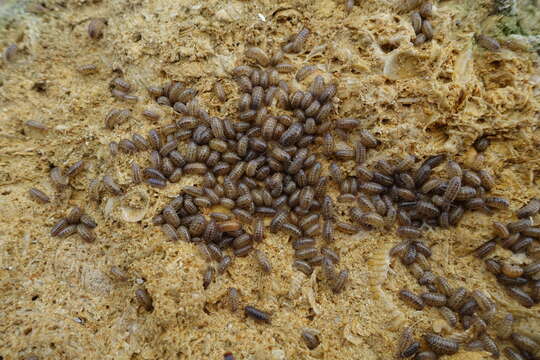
{"x":263,"y":261}
{"x":311,"y":339}
{"x":145,"y":299}
{"x":96,"y":27}
{"x":340,"y":281}
{"x":426,"y":10}
{"x":39,"y":195}
{"x":259,"y":55}
{"x":118,"y":273}
{"x":86,"y":233}
{"x":487,"y":42}
{"x":58,"y":179}
{"x":87,"y":69}
{"x":10,"y":52}
{"x":304,"y":72}
{"x":504,"y":330}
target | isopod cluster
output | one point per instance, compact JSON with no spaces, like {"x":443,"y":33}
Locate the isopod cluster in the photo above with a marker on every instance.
{"x":268,"y":169}
{"x":421,"y":24}
{"x":78,"y":222}
{"x":520,"y":280}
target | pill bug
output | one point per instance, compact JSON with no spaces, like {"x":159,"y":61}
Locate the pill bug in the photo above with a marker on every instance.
{"x":74,"y":215}
{"x":497,"y":202}
{"x":512,"y":271}
{"x":408,"y":232}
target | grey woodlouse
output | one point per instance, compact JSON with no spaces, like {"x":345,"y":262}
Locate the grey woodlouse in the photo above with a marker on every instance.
{"x":257,"y":314}
{"x":39,"y":195}
{"x":412,"y":299}
{"x":441,"y":345}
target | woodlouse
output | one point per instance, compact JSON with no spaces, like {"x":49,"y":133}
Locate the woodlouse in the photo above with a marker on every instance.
{"x":412,"y":299}
{"x":487,"y":42}
{"x":441,"y":345}
{"x":525,"y":343}
{"x":530,"y":209}
{"x":311,"y":339}
{"x":257,"y":314}
{"x":10,"y":52}
{"x":96,"y":27}
{"x":39,"y":195}
{"x":520,"y":295}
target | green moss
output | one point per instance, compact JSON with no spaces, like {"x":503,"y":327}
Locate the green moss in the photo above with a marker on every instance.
{"x":510,"y":25}
{"x":528,"y":15}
